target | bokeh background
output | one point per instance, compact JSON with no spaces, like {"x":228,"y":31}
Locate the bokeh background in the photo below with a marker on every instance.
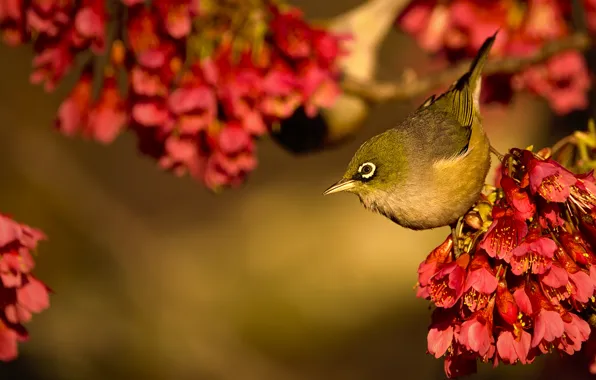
{"x":157,"y":278}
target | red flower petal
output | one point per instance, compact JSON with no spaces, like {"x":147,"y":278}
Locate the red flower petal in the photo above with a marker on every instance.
{"x":550,"y":180}
{"x":438,"y":256}
{"x":34,"y":296}
{"x":504,"y":234}
{"x":506,"y":305}
{"x":510,"y":349}
{"x":548,"y":326}
{"x":519,"y":199}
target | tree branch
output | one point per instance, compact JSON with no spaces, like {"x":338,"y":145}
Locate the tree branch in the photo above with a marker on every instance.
{"x":408,"y":88}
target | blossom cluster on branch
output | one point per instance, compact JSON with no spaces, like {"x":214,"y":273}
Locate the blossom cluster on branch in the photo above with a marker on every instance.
{"x":457,"y":28}
{"x":21,"y":293}
{"x":523,"y":282}
{"x":197,"y":83}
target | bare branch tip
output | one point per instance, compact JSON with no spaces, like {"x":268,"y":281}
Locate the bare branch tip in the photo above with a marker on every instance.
{"x":411,"y":85}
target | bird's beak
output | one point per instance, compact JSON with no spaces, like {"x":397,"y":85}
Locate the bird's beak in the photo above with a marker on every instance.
{"x":341,"y":185}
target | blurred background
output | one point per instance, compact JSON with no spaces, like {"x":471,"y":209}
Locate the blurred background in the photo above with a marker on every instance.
{"x":157,"y":278}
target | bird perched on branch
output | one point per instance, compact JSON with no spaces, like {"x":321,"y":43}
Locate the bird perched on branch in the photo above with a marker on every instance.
{"x":430,"y":169}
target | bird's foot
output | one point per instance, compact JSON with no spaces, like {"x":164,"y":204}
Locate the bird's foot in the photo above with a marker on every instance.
{"x":496,"y":153}
{"x":456,"y":250}
{"x":456,"y":231}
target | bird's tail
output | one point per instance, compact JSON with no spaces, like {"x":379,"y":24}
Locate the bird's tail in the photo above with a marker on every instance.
{"x":464,"y":94}
{"x":474,"y":75}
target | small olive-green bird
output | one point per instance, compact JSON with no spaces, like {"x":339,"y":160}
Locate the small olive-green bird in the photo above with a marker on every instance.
{"x":430,"y":169}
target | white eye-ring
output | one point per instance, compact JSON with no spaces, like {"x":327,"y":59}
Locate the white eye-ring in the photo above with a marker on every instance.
{"x":367,"y":170}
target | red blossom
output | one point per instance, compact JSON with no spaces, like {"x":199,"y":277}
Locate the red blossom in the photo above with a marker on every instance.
{"x":511,"y":348}
{"x":8,"y":342}
{"x":506,"y":305}
{"x":101,"y":119}
{"x":439,"y":256}
{"x":534,"y":254}
{"x":52,"y":63}
{"x":207,"y":114}
{"x":291,"y":33}
{"x":177,"y":15}
{"x":90,"y":25}
{"x":447,"y":285}
{"x":549,"y":179}
{"x":191,"y":72}
{"x":579,"y":281}
{"x":518,"y":198}
{"x":319,"y":87}
{"x":418,"y":18}
{"x":476,"y":333}
{"x":563,"y":80}
{"x":523,"y":301}
{"x":577,"y":331}
{"x":194,"y":104}
{"x":577,"y":247}
{"x":182,"y":155}
{"x":281,"y":88}
{"x":457,"y":28}
{"x":48,"y":17}
{"x":21,"y":294}
{"x":531,"y":275}
{"x":442,"y":332}
{"x":62,"y":29}
{"x":504,"y":234}
{"x":142,"y":28}
{"x":481,"y":282}
{"x":107,"y":116}
{"x":234,"y":158}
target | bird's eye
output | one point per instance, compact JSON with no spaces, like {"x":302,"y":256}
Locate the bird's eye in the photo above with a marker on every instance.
{"x":367,"y":170}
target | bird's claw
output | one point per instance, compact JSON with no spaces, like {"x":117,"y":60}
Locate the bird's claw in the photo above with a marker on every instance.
{"x":456,"y":250}
{"x":456,"y":231}
{"x":496,"y":153}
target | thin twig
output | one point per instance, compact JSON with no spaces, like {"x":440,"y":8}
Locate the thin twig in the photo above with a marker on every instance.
{"x":379,"y":92}
{"x":570,"y":139}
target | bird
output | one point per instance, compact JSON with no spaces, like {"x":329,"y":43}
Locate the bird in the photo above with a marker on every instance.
{"x":428,"y":170}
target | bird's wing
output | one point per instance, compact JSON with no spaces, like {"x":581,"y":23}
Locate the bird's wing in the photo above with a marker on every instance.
{"x":435,"y":131}
{"x":446,"y":135}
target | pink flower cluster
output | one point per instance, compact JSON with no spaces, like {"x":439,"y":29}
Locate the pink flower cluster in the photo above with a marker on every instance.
{"x":457,"y":28}
{"x":204,"y":118}
{"x":193,"y":113}
{"x":526,"y":276}
{"x":21,"y":294}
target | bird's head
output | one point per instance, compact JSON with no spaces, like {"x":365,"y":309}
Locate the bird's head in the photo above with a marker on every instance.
{"x":377,"y":167}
